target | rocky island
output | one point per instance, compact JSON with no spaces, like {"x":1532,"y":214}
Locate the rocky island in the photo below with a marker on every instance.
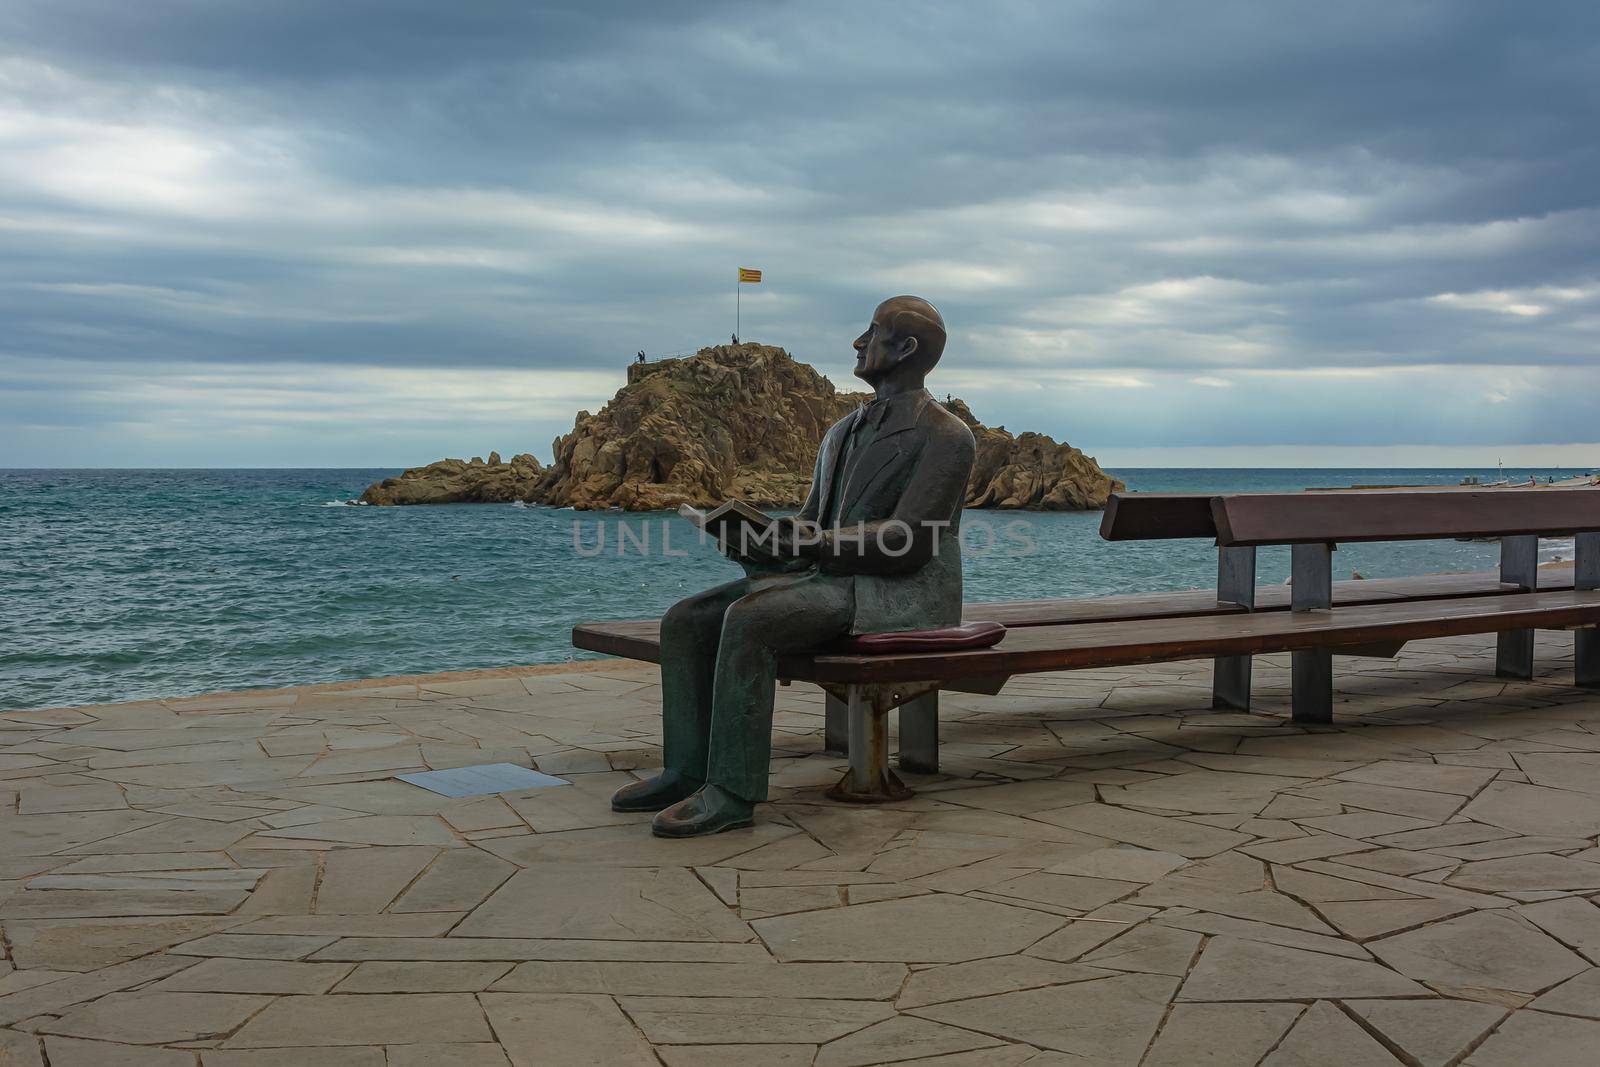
{"x":731,"y":421}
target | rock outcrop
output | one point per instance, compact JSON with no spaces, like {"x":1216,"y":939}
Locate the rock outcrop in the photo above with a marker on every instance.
{"x":1032,"y":471}
{"x":456,"y":481}
{"x":731,"y":421}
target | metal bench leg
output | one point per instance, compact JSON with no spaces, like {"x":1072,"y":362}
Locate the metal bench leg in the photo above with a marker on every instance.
{"x":1236,"y":584}
{"x":836,"y":731}
{"x":1586,"y":643}
{"x":869,"y":779}
{"x":1519,"y":565}
{"x":1312,"y":670}
{"x":919,"y":734}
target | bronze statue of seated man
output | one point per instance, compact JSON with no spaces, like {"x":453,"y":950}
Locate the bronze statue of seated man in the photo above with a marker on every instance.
{"x":875,"y":549}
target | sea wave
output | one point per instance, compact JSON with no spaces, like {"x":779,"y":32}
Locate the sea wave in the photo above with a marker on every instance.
{"x":343,"y":504}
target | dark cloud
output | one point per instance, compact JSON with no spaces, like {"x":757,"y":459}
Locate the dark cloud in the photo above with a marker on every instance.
{"x":1314,"y":204}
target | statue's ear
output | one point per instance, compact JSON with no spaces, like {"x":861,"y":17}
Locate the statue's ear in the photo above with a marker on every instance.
{"x":908,"y":346}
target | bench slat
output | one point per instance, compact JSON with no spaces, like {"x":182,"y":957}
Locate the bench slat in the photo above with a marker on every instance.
{"x":1069,"y":647}
{"x":640,"y":639}
{"x":1245,"y":519}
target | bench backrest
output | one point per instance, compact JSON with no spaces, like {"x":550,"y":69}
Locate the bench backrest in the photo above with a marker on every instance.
{"x":1303,"y":518}
{"x":1158,"y":517}
{"x":1237,"y":520}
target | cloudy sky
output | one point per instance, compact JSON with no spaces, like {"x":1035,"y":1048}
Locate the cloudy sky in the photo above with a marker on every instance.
{"x":295,"y":232}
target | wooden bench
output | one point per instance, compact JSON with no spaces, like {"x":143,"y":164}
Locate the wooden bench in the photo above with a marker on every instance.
{"x":1232,"y":624}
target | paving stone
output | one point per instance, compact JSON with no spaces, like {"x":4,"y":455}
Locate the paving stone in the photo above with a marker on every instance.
{"x":738,"y":1055}
{"x":90,"y":944}
{"x":481,"y":1055}
{"x":1147,"y":831}
{"x":73,"y":1052}
{"x":1533,"y":1037}
{"x":20,"y":1050}
{"x":1317,"y":888}
{"x":1084,"y":933}
{"x":424,"y":977}
{"x":459,"y":880}
{"x":1518,"y":845}
{"x":1491,"y":950}
{"x":1321,"y":1030}
{"x":158,"y":1017}
{"x":1068,"y":891}
{"x":1206,"y":923}
{"x":630,"y":904}
{"x":1148,"y":949}
{"x":1022,"y":798}
{"x":1233,"y":969}
{"x":845,"y":981}
{"x":399,"y":1019}
{"x":296,"y":1057}
{"x":1108,"y":1021}
{"x":1398,"y":861}
{"x":1572,"y":921}
{"x":1367,"y":919}
{"x":396,"y":830}
{"x":256,"y":976}
{"x":1120,"y":864}
{"x":565,"y":1030}
{"x":514,"y":948}
{"x":1527,"y":873}
{"x":429,"y":924}
{"x":1415,"y":803}
{"x":1579,"y":995}
{"x":1220,"y":1035}
{"x":1300,"y":849}
{"x":54,"y":996}
{"x":626,"y":846}
{"x":749,"y":1020}
{"x":899,"y":1039}
{"x":980,"y":978}
{"x":928,"y":929}
{"x":1463,"y":781}
{"x":256,"y":946}
{"x":360,"y":881}
{"x":758,"y":903}
{"x":1202,"y":791}
{"x":1231,"y":884}
{"x":1535,"y":809}
{"x":1366,"y":825}
{"x":1433,"y":1032}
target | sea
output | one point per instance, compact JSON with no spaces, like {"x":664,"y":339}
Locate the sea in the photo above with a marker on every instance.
{"x":133,"y":584}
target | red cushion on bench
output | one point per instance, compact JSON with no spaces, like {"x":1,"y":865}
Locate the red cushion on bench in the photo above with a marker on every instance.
{"x":967,"y":635}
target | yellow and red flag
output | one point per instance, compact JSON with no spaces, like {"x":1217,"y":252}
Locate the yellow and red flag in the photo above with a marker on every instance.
{"x":746,"y":274}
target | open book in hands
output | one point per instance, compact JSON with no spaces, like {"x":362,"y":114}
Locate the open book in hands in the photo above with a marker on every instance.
{"x":736,"y":525}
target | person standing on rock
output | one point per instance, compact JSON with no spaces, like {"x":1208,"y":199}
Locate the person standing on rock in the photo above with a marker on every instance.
{"x":875,"y":549}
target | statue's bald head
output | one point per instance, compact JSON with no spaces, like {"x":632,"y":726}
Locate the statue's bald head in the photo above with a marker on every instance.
{"x":905,"y":340}
{"x":912,"y":316}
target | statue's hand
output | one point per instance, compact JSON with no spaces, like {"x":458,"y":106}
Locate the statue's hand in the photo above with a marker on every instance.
{"x":798,"y":539}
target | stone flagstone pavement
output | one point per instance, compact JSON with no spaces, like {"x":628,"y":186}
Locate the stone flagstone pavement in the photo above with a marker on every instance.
{"x":1109,"y":872}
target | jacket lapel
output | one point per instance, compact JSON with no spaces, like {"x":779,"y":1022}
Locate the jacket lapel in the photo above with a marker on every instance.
{"x":827,"y":468}
{"x":865,"y":465}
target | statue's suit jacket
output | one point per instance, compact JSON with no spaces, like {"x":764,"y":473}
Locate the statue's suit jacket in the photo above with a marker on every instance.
{"x":915,"y":470}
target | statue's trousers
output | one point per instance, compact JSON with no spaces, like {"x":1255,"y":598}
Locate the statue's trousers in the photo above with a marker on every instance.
{"x":719,"y":653}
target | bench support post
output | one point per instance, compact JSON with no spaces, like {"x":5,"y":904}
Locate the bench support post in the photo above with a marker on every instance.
{"x":919,"y":734}
{"x":1312,"y":671}
{"x":1586,"y":643}
{"x":869,"y":779}
{"x":1236,"y":584}
{"x":1519,"y":566}
{"x":836,"y":729}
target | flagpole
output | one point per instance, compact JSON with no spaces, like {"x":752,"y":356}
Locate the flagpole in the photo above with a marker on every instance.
{"x":738,"y":294}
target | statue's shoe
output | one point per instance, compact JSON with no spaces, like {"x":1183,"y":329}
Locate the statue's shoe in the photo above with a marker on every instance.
{"x":710,"y":811}
{"x":653,"y":794}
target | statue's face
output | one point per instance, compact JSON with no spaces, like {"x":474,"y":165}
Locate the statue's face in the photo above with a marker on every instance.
{"x":877,"y":349}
